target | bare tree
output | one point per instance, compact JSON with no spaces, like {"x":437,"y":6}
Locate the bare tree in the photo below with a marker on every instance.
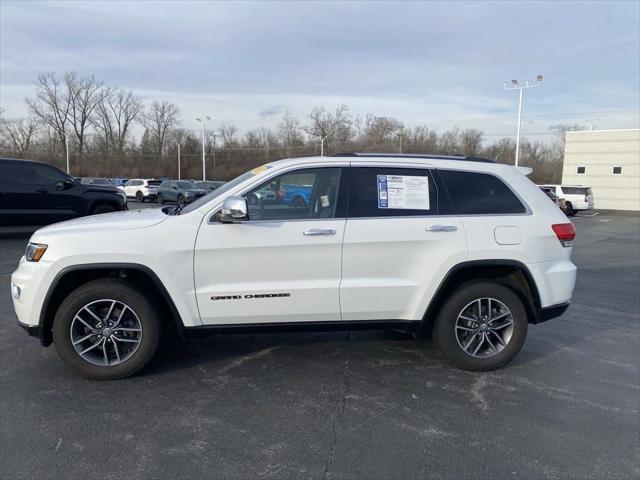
{"x":380,"y":130}
{"x":85,"y":94}
{"x":471,"y":142}
{"x":289,"y":133}
{"x":158,"y":120}
{"x":52,"y":104}
{"x":115,"y":114}
{"x":333,"y":127}
{"x":18,"y":134}
{"x":228,"y":135}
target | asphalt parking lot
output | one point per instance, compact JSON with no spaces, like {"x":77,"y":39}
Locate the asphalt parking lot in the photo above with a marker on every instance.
{"x":346,"y":405}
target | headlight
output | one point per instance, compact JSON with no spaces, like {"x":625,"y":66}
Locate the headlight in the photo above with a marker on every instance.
{"x":35,"y":251}
{"x":186,"y":194}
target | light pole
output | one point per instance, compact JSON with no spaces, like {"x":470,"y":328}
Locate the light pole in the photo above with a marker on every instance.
{"x":204,"y":168}
{"x":514,"y":85}
{"x":66,"y":148}
{"x":322,"y":139}
{"x":400,"y":136}
{"x":178,"y":160}
{"x":214,"y":156}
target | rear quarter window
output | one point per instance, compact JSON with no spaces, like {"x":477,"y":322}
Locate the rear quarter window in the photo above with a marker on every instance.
{"x":576,"y":191}
{"x":474,"y":193}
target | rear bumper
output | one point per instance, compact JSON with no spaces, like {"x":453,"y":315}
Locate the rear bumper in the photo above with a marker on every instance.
{"x":551,"y":312}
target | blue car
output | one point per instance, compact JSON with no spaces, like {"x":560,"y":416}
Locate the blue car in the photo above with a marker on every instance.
{"x":296,"y":195}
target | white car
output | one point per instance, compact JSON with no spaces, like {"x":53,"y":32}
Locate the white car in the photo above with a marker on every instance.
{"x":465,"y":249}
{"x":577,"y":197}
{"x":142,"y":189}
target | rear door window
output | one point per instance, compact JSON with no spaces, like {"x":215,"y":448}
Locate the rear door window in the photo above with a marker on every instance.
{"x":17,"y":172}
{"x":392,"y":192}
{"x":474,"y":193}
{"x":576,"y":191}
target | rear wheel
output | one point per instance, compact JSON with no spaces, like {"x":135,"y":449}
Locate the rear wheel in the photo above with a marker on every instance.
{"x":160,"y":199}
{"x":106,"y":329}
{"x":139,"y":197}
{"x":570,"y":210}
{"x":482,"y":326}
{"x":299,"y":202}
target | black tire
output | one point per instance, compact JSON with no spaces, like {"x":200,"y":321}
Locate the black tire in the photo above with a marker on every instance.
{"x":181,"y":201}
{"x":139,"y":197}
{"x":444,"y":331}
{"x":299,"y":202}
{"x":115,"y":289}
{"x":160,"y":199}
{"x":570,"y":211}
{"x":103,"y":208}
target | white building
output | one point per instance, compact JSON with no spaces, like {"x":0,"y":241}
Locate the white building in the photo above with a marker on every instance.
{"x":608,"y":161}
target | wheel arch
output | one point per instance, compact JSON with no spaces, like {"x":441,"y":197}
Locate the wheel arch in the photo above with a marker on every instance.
{"x":510,"y":273}
{"x":93,"y":204}
{"x":71,"y":277}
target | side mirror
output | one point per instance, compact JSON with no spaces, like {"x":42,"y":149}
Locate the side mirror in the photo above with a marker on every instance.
{"x":234,"y":209}
{"x":63,"y":185}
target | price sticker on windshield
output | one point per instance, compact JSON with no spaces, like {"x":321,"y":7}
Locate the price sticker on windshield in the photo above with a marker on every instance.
{"x":403,"y":192}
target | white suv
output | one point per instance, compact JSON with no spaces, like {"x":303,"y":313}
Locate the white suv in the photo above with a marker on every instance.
{"x":142,"y":189}
{"x":577,"y":197}
{"x":464,"y":249}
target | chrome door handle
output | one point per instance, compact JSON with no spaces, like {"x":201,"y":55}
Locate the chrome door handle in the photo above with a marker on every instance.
{"x":317,"y":232}
{"x":441,"y":228}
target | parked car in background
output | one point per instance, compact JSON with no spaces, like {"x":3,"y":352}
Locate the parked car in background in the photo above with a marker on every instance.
{"x":179,"y":191}
{"x":209,"y":185}
{"x":119,"y":182}
{"x":96,"y":181}
{"x":577,"y":197}
{"x":36,"y":193}
{"x":560,"y":202}
{"x":142,"y":189}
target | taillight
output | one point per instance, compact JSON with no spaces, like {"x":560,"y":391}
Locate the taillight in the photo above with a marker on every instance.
{"x":565,"y":232}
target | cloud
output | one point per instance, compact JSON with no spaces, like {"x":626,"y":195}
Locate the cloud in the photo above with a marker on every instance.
{"x":435,"y":63}
{"x":272,"y":111}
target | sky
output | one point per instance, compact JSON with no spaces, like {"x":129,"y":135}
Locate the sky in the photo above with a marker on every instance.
{"x":439,"y":64}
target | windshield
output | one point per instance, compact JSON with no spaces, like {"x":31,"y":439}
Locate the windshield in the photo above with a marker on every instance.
{"x":223,"y":189}
{"x":101,"y":181}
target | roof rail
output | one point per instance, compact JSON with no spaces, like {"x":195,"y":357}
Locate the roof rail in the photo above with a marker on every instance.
{"x":414,"y":155}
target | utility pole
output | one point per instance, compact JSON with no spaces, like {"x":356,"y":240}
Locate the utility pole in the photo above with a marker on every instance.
{"x":514,"y":85}
{"x":204,"y":165}
{"x":178,"y":160}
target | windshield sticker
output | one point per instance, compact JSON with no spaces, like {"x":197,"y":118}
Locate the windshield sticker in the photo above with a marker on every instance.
{"x":403,"y":192}
{"x":258,"y":170}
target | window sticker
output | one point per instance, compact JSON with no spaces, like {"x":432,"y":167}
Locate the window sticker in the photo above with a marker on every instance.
{"x":403,"y":192}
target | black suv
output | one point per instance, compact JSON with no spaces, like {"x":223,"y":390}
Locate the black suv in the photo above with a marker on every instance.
{"x":36,"y":193}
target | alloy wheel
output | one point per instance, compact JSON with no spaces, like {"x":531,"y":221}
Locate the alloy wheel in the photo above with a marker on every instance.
{"x":106,"y":332}
{"x":484,"y":327}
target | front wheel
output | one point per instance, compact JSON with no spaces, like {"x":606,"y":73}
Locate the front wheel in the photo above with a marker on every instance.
{"x":104,"y":208}
{"x":160,"y":199}
{"x":181,"y":201}
{"x":481,"y":327}
{"x":106,"y":329}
